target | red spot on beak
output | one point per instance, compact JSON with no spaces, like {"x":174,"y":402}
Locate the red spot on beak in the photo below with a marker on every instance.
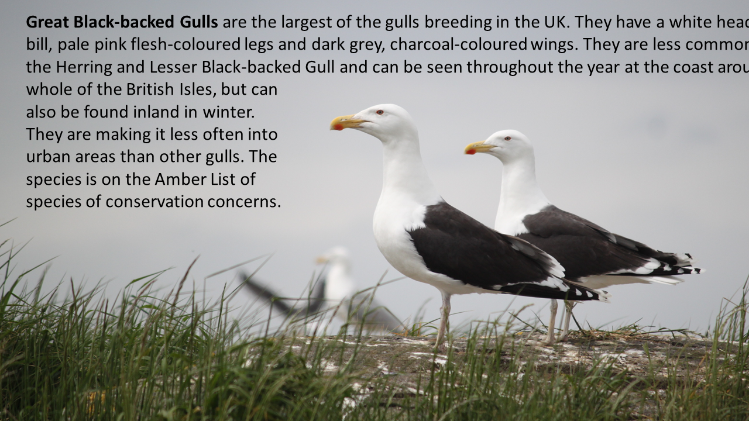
{"x":338,"y":127}
{"x":471,"y":152}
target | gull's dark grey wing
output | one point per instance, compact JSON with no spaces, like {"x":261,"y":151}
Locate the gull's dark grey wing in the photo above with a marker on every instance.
{"x":316,"y":297}
{"x":484,"y":258}
{"x":586,"y":249}
{"x":266,"y":294}
{"x":374,"y":315}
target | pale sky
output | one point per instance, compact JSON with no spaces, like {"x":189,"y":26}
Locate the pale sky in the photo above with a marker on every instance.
{"x":656,"y":158}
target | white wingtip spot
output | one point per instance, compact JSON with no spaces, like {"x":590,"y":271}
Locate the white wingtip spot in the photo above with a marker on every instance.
{"x":652,"y":264}
{"x":555,"y":283}
{"x":556,"y":268}
{"x":684,"y":259}
{"x":603,"y":296}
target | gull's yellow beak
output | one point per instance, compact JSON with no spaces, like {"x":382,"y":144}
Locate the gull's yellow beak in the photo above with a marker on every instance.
{"x":345,"y":122}
{"x":477,"y":147}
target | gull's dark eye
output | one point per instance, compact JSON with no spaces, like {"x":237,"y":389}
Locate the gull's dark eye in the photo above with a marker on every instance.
{"x":508,"y":138}
{"x":380,"y":112}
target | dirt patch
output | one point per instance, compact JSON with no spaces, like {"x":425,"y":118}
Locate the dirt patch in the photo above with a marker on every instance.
{"x":404,"y":364}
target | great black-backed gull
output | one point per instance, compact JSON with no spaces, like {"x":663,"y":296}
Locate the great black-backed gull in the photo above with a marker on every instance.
{"x":591,"y":255}
{"x":429,"y":241}
{"x":337,"y":290}
{"x":314,"y":301}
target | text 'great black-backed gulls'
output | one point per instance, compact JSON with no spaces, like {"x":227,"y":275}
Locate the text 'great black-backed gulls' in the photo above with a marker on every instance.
{"x":429,"y":241}
{"x":591,"y":255}
{"x":336,"y":290}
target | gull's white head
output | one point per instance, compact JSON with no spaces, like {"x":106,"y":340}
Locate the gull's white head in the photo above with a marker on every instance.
{"x":338,"y":282}
{"x":335,"y":255}
{"x":386,"y":122}
{"x":507,"y":145}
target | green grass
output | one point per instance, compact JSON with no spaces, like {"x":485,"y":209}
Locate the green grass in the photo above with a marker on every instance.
{"x":154,"y":355}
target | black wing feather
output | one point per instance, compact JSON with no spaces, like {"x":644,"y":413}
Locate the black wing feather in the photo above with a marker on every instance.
{"x":315,"y":302}
{"x":586,"y":249}
{"x":456,"y":245}
{"x":373,"y":315}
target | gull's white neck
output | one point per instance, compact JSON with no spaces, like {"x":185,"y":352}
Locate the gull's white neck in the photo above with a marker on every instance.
{"x":339,"y":284}
{"x":406,"y":193}
{"x":520,"y":195}
{"x":404,"y":174}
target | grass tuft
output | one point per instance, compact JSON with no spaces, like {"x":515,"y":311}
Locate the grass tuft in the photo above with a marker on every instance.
{"x":150,"y":355}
